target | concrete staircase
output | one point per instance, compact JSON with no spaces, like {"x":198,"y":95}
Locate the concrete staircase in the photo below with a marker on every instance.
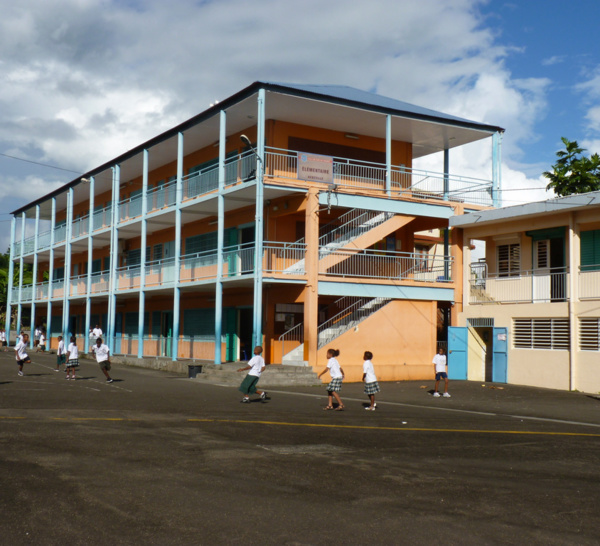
{"x":274,"y":375}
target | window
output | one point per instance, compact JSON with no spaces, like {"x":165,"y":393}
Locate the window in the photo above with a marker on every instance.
{"x":199,"y":324}
{"x":509,"y":260}
{"x":589,"y":334}
{"x":590,"y":250}
{"x":541,"y":333}
{"x":201,"y":243}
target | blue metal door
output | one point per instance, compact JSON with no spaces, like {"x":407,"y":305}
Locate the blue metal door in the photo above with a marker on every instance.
{"x":457,"y":352}
{"x":500,"y":357}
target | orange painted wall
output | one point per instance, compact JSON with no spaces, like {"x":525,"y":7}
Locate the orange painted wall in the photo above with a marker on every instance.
{"x":402,"y":338}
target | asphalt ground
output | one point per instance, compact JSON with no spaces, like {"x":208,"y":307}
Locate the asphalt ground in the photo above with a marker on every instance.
{"x":159,"y":459}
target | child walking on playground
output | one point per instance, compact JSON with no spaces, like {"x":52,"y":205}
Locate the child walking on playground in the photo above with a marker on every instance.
{"x":21,"y":353}
{"x":370,"y":379}
{"x":72,"y":358}
{"x":439,"y":366}
{"x":61,"y":358}
{"x":337,"y":376}
{"x":256,"y":365}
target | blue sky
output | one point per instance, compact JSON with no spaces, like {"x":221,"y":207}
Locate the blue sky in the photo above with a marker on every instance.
{"x":82,"y":81}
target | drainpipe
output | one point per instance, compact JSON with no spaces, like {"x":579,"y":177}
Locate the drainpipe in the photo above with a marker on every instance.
{"x":573,"y":298}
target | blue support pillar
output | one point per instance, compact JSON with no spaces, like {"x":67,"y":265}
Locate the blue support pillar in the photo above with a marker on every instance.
{"x":34,"y":273}
{"x":446,"y":229}
{"x":114,"y":256}
{"x":388,"y":155}
{"x":496,"y":169}
{"x":143,"y":258}
{"x":20,"y":306}
{"x":11,"y":272}
{"x":67,"y":280}
{"x":177,"y":289}
{"x":51,"y":268}
{"x":88,"y":298}
{"x":220,"y":240}
{"x":258,"y":245}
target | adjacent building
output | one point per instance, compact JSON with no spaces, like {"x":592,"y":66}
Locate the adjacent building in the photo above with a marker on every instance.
{"x":290,"y":216}
{"x":531,"y":313}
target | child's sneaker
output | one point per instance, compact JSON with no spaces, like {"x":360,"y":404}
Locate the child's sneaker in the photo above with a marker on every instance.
{"x":446,"y":395}
{"x":20,"y":373}
{"x":263,"y":396}
{"x":245,"y":400}
{"x":436,"y":394}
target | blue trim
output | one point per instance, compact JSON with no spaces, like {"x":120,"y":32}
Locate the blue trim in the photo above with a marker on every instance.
{"x":220,"y":237}
{"x":424,"y":293}
{"x":387,"y":205}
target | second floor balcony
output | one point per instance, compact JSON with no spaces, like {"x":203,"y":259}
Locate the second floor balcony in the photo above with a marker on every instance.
{"x":280,"y":261}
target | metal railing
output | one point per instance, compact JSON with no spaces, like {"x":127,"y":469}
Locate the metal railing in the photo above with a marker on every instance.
{"x":379,"y":264}
{"x":130,"y":208}
{"x":526,"y":286}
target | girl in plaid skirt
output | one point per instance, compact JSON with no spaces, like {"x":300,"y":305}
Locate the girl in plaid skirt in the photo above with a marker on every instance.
{"x":370,"y":379}
{"x":72,"y":358}
{"x":337,"y":376}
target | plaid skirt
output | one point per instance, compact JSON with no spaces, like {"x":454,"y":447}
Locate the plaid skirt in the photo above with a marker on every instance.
{"x":335,"y":385}
{"x":74,"y":363}
{"x":372,"y":388}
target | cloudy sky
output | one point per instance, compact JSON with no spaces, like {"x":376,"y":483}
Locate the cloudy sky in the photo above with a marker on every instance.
{"x":82,"y":81}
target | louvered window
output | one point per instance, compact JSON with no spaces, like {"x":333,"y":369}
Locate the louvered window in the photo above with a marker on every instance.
{"x":589,"y":334}
{"x":541,"y":333}
{"x":509,"y":260}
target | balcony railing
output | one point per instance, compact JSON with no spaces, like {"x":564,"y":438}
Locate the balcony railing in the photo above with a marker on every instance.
{"x":376,"y":264}
{"x":527,"y":286}
{"x":355,"y":174}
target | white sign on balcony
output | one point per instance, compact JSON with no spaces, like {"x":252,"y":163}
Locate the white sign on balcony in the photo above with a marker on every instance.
{"x":315,"y":168}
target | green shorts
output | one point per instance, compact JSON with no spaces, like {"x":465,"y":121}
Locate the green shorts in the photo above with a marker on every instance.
{"x":104,"y":365}
{"x":248,"y":385}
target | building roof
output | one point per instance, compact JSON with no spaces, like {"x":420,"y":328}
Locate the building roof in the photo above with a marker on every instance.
{"x":537,"y":208}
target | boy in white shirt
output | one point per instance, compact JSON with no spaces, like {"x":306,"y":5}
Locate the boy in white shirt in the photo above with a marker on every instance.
{"x":41,"y":344}
{"x":61,"y":357}
{"x":439,"y":367}
{"x":256,"y":365}
{"x":103,"y":358}
{"x":21,"y":353}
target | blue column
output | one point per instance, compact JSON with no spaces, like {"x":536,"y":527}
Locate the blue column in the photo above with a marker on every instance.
{"x":51,"y":268}
{"x":446,"y":232}
{"x":177,"y":290}
{"x":143,"y":259}
{"x":88,"y":298}
{"x":258,"y":244}
{"x":388,"y":154}
{"x":220,"y":237}
{"x":11,"y":272}
{"x":496,"y":169}
{"x":20,"y":306}
{"x":114,"y":256}
{"x":68,"y":250}
{"x":34,"y":273}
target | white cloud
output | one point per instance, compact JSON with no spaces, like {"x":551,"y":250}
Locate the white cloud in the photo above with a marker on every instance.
{"x":82,"y":81}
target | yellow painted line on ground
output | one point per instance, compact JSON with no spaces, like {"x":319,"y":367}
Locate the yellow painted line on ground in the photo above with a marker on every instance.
{"x":13,"y":417}
{"x":91,"y":419}
{"x":404,"y":429}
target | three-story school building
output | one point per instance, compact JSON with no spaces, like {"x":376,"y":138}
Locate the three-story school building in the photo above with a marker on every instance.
{"x":286,"y":215}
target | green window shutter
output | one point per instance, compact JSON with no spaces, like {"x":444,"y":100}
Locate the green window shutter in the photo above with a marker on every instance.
{"x":590,"y":250}
{"x":199,"y":324}
{"x":156,"y":323}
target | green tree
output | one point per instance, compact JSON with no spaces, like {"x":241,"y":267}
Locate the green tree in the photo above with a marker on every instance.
{"x":4,"y":268}
{"x":573,"y":172}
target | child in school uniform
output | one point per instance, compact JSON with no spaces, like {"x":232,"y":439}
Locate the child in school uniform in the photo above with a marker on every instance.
{"x":370,"y":379}
{"x":72,"y":358}
{"x":42,"y":343}
{"x":60,"y":354}
{"x":21,"y":353}
{"x":337,"y":377}
{"x":256,"y":365}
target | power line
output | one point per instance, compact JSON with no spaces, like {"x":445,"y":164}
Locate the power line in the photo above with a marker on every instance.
{"x":40,"y":164}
